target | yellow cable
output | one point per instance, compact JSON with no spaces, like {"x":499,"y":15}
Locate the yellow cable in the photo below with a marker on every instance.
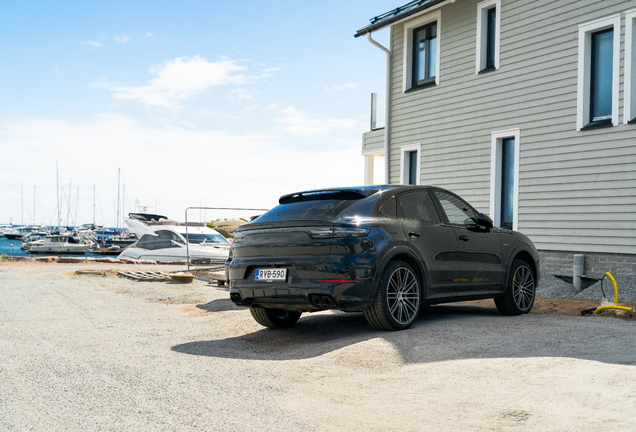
{"x":615,"y":305}
{"x":602,"y":308}
{"x":609,"y":275}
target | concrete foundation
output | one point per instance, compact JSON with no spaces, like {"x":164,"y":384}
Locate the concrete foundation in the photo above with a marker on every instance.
{"x":596,"y":264}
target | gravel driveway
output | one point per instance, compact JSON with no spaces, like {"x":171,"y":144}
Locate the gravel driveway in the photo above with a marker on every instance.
{"x":96,"y":353}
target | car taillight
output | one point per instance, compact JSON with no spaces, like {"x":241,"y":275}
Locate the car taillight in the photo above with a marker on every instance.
{"x":232,"y":244}
{"x":342,"y":232}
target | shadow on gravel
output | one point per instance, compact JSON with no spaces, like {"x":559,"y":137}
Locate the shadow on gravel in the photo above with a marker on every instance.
{"x":219,"y":305}
{"x":443,"y":332}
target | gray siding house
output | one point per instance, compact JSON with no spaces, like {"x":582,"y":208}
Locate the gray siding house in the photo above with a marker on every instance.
{"x":526,"y":108}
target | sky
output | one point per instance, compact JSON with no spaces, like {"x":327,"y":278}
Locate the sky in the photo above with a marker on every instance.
{"x":224,"y":104}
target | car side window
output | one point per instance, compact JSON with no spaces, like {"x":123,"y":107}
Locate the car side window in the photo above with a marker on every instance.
{"x":389,"y":208}
{"x":418,"y":205}
{"x":457,"y":211}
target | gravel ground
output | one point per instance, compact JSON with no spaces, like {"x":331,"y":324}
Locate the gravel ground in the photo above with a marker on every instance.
{"x":553,"y":287}
{"x":95,"y":353}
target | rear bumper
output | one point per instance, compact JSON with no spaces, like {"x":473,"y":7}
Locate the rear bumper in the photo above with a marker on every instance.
{"x":305,"y":289}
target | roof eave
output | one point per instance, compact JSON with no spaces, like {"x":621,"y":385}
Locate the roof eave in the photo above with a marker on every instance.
{"x":398,"y":17}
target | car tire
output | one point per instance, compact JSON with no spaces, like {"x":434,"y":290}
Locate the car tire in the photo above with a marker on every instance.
{"x":520,"y":291}
{"x":397,"y":298}
{"x":275,"y":318}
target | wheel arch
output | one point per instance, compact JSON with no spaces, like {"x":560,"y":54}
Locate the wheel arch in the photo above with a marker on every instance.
{"x":401,"y":253}
{"x":523,"y":255}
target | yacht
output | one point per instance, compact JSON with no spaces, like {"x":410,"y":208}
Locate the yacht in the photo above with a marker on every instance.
{"x":5,"y":229}
{"x":163,"y":239}
{"x":20,"y":232}
{"x":64,"y":243}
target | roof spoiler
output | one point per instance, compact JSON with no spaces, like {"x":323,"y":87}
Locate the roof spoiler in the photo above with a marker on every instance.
{"x":315,"y":195}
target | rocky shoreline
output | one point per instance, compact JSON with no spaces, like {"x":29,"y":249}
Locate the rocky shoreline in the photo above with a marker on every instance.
{"x":87,"y":260}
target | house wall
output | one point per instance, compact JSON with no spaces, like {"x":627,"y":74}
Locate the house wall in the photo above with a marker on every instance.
{"x":577,"y":189}
{"x":373,"y":141}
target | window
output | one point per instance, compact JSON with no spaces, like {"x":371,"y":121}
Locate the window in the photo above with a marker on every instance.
{"x":457,"y":211}
{"x":389,"y":208}
{"x":410,"y":164}
{"x":488,"y":25}
{"x":504,"y":178}
{"x":424,"y":55}
{"x":507,"y":181}
{"x":601,"y":76}
{"x":162,"y":240}
{"x":598,"y":72}
{"x":629,"y":113}
{"x":418,"y":205}
{"x":421,"y":45}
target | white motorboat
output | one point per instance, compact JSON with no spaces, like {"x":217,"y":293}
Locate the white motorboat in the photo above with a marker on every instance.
{"x":5,"y":229}
{"x":20,"y":232}
{"x":162,"y":239}
{"x":61,"y":244}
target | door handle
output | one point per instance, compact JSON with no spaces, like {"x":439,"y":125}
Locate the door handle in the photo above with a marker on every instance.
{"x":414,"y":234}
{"x":464,"y":238}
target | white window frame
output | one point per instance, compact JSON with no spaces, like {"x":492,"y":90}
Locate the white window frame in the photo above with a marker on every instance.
{"x":482,"y":33}
{"x":405,"y":163}
{"x":407,"y":69}
{"x":496,"y":151}
{"x":584,"y":67}
{"x":629,"y":110}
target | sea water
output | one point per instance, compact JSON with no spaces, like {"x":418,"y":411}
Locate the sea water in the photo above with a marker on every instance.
{"x":12,"y":248}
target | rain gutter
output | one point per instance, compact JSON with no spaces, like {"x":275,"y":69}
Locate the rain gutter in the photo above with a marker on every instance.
{"x":387,"y":110}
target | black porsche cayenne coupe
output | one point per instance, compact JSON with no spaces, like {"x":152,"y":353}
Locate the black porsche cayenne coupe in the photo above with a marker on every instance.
{"x":381,"y":250}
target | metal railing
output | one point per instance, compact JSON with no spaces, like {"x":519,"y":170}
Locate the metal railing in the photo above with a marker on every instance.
{"x":214,"y":214}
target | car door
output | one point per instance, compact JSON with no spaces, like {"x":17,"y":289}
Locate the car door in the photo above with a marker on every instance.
{"x":434,"y":242}
{"x":479,"y":250}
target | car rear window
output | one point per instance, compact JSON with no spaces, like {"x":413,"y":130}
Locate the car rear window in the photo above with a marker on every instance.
{"x":320,"y":206}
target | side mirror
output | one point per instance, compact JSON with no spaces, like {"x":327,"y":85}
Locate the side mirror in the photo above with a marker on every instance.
{"x":484,"y":220}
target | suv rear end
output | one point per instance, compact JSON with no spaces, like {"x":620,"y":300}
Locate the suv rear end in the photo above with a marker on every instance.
{"x":314,"y":251}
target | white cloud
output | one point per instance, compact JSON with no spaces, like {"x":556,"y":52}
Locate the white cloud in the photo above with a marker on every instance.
{"x":148,"y":34}
{"x":240,"y":94}
{"x":181,"y":79}
{"x":177,"y":166}
{"x":122,"y":39}
{"x":271,"y":70}
{"x":348,"y":86}
{"x":298,"y":122}
{"x":94,"y":44}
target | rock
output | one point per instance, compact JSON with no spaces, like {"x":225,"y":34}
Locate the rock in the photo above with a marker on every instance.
{"x":227,"y":228}
{"x":129,"y":261}
{"x":108,"y":260}
{"x":70,"y":260}
{"x":172,"y":262}
{"x":23,"y":259}
{"x":146,"y":261}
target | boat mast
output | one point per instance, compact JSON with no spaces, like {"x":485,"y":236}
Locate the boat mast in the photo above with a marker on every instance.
{"x":76,"y":204}
{"x":22,"y":201}
{"x":94,"y":206}
{"x":57,"y":194}
{"x":118,"y":176}
{"x":34,"y":203}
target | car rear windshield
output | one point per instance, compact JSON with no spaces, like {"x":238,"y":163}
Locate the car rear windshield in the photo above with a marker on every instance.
{"x":319,"y":206}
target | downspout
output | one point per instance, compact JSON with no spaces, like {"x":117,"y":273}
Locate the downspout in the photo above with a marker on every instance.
{"x":387,"y":112}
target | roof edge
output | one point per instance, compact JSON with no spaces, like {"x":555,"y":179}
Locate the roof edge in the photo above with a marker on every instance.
{"x":394,"y":15}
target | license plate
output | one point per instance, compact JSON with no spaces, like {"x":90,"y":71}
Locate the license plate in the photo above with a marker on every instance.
{"x":271,"y":275}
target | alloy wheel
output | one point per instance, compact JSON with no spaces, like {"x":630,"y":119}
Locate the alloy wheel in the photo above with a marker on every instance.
{"x":403,"y":295}
{"x":523,"y":287}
